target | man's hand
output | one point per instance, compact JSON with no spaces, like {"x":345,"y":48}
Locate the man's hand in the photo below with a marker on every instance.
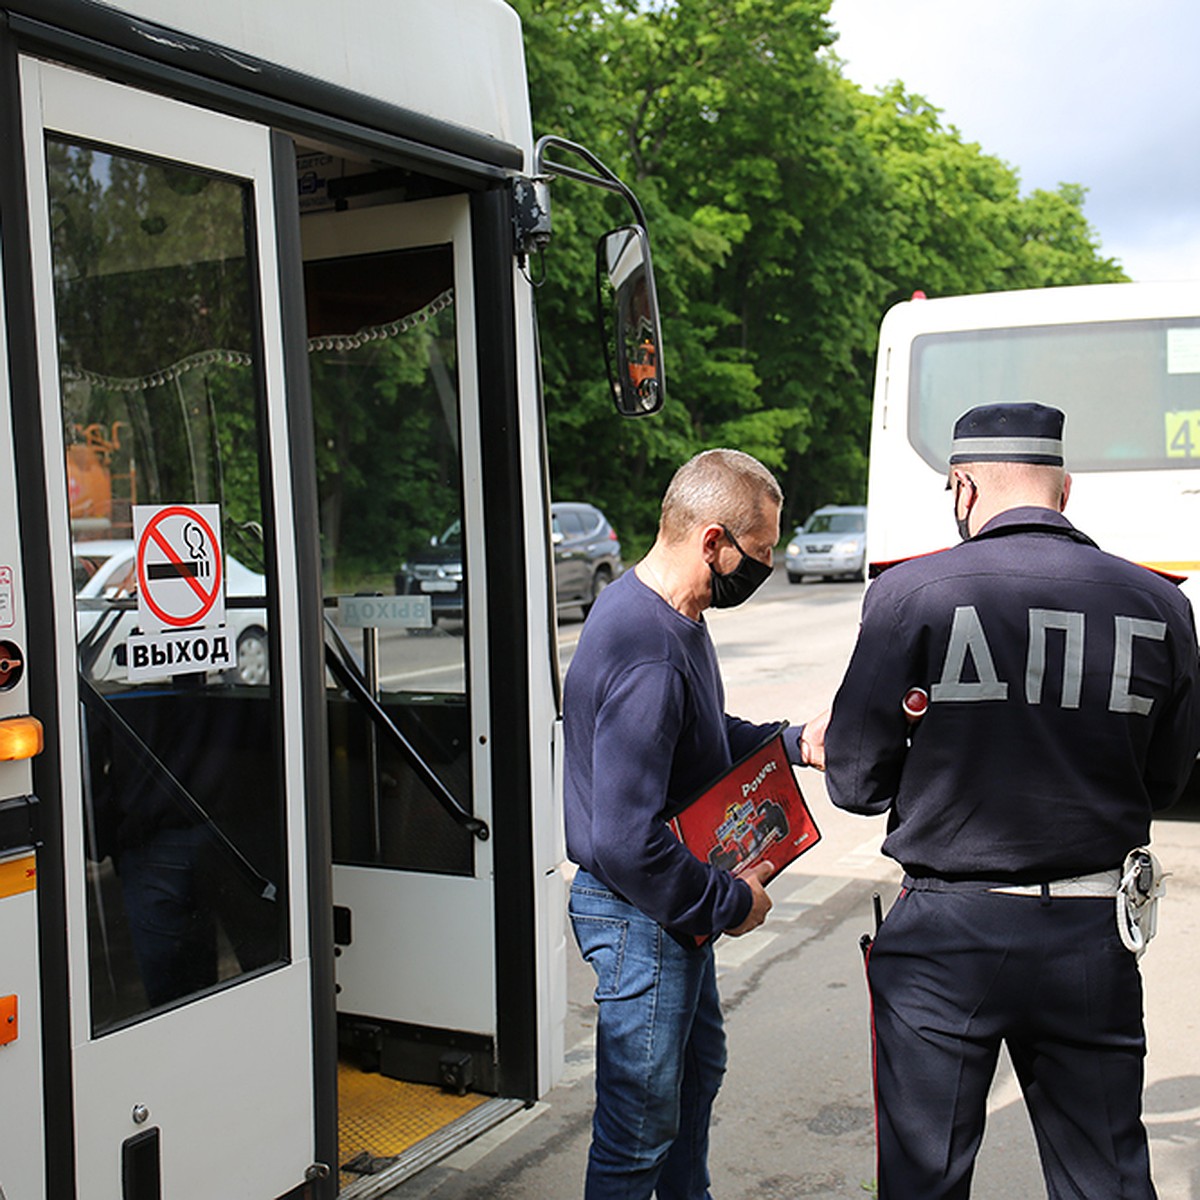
{"x":812,"y":741}
{"x":762,"y":902}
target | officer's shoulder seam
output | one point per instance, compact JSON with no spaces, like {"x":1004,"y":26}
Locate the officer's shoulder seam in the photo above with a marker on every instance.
{"x":905,"y":584}
{"x":879,"y":568}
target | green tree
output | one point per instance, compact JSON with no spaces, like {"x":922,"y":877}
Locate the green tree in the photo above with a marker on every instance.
{"x":1058,"y":246}
{"x":788,"y":211}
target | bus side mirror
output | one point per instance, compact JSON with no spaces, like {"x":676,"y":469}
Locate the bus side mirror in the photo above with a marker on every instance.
{"x":630,"y":329}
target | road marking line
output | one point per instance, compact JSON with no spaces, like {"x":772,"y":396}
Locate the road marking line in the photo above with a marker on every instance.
{"x":579,"y":1062}
{"x":1005,"y":1090}
{"x":869,"y":851}
{"x":818,"y":891}
{"x":736,"y":952}
{"x":1171,"y":1117}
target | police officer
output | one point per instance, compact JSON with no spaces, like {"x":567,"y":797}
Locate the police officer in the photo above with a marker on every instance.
{"x":1062,"y":711}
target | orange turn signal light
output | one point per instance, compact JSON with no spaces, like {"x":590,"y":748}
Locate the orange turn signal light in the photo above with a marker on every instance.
{"x":20,"y":737}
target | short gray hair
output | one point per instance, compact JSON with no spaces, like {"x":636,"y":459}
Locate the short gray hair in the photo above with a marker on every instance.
{"x":726,"y":486}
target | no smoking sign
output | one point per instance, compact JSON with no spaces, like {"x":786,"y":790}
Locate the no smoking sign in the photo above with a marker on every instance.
{"x":181,"y":582}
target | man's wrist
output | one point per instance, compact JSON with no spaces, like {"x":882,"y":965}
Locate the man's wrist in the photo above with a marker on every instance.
{"x":747,"y":894}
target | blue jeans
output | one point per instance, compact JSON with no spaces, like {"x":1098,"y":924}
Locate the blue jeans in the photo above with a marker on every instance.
{"x":660,"y":1051}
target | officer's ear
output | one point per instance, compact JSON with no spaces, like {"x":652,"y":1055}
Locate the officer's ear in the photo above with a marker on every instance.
{"x":1066,"y":493}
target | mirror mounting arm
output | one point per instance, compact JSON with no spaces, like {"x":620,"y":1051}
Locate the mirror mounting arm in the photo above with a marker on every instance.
{"x":602,"y":176}
{"x":627,"y":304}
{"x":531,"y":196}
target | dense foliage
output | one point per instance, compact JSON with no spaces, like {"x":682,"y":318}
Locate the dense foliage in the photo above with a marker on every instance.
{"x":788,"y":210}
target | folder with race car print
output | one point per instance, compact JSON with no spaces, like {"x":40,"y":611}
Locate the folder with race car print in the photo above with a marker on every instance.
{"x":754,"y":813}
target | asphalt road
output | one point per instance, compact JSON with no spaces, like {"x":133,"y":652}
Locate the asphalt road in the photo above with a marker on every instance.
{"x":794,"y":1118}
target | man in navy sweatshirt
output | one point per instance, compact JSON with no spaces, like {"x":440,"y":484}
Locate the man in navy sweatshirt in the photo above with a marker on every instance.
{"x":646,"y":728}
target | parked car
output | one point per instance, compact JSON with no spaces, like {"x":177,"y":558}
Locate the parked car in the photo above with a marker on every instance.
{"x":587,"y":558}
{"x":436,"y":571}
{"x":106,"y":570}
{"x":831,"y":543}
{"x":587,"y":553}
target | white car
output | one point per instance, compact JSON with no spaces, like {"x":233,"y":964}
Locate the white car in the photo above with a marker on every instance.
{"x":832,"y":543}
{"x":105,"y":571}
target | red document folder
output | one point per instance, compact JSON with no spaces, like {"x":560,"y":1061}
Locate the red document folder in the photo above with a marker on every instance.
{"x":752,"y":814}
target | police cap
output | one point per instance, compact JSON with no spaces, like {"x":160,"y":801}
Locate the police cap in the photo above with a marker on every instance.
{"x":1026,"y":433}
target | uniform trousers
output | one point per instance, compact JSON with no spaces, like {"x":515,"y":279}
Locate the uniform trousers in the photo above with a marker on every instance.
{"x":955,"y":973}
{"x":660,"y":1051}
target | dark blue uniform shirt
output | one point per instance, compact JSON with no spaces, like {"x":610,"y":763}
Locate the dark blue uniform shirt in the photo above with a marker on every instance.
{"x":1063,"y":705}
{"x":645,"y":730}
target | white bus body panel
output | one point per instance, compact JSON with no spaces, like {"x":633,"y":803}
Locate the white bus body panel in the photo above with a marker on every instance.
{"x":21,"y":1143}
{"x":909,"y":509}
{"x":460,"y":61}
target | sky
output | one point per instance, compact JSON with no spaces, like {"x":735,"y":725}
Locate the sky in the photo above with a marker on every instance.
{"x":1104,"y":93}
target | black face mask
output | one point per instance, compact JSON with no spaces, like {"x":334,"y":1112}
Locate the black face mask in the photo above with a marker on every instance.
{"x":728,"y":591}
{"x":964,"y":523}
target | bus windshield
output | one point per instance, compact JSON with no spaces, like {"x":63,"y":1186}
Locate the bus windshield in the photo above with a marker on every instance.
{"x":1130,"y":389}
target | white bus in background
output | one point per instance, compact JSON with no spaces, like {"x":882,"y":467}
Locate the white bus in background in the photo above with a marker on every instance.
{"x":294,"y":930}
{"x":1121,"y":360}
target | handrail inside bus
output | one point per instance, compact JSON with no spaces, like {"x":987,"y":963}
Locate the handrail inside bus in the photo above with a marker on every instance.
{"x":92,"y":644}
{"x":340,"y":661}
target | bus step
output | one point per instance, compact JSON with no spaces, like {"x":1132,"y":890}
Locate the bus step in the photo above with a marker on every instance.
{"x":430,"y":1150}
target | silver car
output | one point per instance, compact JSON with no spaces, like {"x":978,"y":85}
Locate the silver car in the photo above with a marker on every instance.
{"x":832,"y":543}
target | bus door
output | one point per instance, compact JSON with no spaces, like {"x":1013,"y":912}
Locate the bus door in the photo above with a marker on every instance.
{"x":175,"y":622}
{"x":394,"y":377}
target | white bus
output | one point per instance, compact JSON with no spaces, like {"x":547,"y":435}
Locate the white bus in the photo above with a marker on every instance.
{"x":1121,"y":360}
{"x":280,"y":905}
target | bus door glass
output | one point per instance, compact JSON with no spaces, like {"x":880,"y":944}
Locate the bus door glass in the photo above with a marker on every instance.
{"x":159,"y":346}
{"x":391,"y":351}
